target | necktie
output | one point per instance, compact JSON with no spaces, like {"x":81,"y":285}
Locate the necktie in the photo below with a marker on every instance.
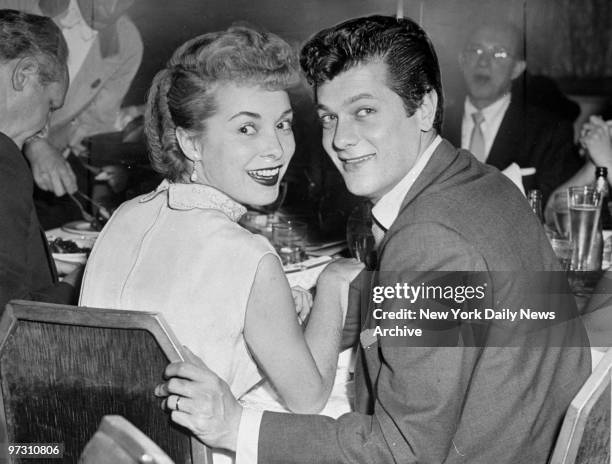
{"x":378,"y":231}
{"x":477,"y":145}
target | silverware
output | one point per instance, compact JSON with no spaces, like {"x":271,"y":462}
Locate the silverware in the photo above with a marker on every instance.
{"x":104,"y":212}
{"x":88,"y":217}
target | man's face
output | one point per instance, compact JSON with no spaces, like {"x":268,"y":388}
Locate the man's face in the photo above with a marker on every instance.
{"x":366,"y":131}
{"x":39,"y":101}
{"x":489,"y":63}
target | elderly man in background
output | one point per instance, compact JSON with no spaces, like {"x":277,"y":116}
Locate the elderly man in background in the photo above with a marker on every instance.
{"x":105,"y":51}
{"x":33,"y":83}
{"x":503,"y":129}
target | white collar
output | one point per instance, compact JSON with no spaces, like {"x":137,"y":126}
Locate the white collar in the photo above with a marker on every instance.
{"x":73,"y":19}
{"x":197,"y":196}
{"x":491,"y":111}
{"x":387,"y":208}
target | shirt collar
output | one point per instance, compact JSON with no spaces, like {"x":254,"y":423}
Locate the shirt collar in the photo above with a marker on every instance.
{"x":387,"y":208}
{"x":197,"y":196}
{"x":489,"y":112}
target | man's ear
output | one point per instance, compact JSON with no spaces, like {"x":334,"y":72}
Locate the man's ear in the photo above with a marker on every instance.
{"x":519,"y":67}
{"x":427,"y":111}
{"x":26,"y":70}
{"x":188,"y":144}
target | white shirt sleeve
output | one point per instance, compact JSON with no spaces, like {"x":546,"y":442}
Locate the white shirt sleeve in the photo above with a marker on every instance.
{"x":248,"y":436}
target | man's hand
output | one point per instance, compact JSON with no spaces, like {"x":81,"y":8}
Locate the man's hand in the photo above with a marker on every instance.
{"x":333,"y":283}
{"x":200,"y":401}
{"x":303,"y":302}
{"x":50,"y":170}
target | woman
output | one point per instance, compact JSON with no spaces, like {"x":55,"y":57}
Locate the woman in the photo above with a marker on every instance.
{"x":218,"y":125}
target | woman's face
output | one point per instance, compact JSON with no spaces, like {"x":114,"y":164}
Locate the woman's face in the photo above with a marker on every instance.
{"x":247,"y":144}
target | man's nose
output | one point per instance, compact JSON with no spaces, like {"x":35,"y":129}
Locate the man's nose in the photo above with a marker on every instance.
{"x":484,"y":59}
{"x":345,"y":135}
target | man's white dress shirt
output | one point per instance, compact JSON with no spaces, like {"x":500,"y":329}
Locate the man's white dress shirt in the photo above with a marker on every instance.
{"x":493,"y":115}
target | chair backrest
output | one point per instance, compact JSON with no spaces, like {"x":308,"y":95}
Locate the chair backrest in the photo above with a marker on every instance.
{"x":62,"y":368}
{"x":117,"y":441}
{"x":585,"y":433}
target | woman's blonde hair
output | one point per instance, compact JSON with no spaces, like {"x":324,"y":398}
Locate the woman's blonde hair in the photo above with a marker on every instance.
{"x":182,"y":94}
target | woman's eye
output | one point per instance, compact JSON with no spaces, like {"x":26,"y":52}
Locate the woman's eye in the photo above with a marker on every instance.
{"x":364,"y":112}
{"x":285,"y":125}
{"x":247,"y":129}
{"x":327,"y":119}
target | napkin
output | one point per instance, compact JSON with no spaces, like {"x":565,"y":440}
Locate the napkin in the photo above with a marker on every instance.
{"x":516,"y":174}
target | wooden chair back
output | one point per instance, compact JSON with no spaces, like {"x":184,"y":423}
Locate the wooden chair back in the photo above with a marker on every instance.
{"x":62,"y":368}
{"x":585,"y":433}
{"x":117,"y":441}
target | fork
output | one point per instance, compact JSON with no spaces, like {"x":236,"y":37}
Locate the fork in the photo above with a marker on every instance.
{"x":88,"y":217}
{"x":101,"y":209}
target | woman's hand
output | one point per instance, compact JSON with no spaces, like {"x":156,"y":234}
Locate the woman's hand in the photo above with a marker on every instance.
{"x":200,"y":401}
{"x":303,"y":302}
{"x":595,"y":137}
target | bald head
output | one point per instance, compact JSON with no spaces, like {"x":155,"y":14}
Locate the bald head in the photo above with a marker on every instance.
{"x":492,"y":57}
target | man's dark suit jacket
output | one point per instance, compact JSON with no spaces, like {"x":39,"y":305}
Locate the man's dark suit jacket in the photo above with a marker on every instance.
{"x":448,"y":404}
{"x":27,"y":270}
{"x":529,"y":136}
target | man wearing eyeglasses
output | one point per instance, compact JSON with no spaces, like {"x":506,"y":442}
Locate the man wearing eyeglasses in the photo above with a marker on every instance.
{"x":499,"y":127}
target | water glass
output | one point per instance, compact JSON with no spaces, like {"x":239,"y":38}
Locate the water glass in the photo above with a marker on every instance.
{"x":289,"y":238}
{"x":563,"y":251}
{"x":359,"y":237}
{"x":584,"y":212}
{"x":560,"y":209}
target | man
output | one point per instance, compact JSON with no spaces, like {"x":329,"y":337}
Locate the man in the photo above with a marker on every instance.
{"x":33,"y":83}
{"x":442,"y":212}
{"x":500,"y":127}
{"x":105,"y":53}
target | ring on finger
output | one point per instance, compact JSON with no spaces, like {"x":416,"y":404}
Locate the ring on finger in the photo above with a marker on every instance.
{"x":176,"y":405}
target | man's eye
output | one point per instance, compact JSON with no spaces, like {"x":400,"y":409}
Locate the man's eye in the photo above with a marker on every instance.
{"x":364,"y":112}
{"x":285,"y":125}
{"x":247,"y":129}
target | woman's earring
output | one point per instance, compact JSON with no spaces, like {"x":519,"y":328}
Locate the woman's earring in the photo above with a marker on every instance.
{"x":194,"y":174}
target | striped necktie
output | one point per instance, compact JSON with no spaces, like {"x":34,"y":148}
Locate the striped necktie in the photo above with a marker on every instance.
{"x":477,"y":145}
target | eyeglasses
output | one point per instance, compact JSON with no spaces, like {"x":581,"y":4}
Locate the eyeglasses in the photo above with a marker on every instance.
{"x":498,"y":55}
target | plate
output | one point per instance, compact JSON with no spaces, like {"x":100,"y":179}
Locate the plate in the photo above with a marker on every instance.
{"x":81,"y":228}
{"x":75,"y":258}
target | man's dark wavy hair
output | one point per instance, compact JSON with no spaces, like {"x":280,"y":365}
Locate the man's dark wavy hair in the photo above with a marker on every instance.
{"x":412,"y":64}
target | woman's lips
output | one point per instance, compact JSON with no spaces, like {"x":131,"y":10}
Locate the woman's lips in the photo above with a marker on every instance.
{"x":267,"y":177}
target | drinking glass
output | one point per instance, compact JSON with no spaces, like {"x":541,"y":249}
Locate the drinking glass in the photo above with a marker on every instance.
{"x":584,"y":212}
{"x":560,"y":210}
{"x":359,"y":238}
{"x":563,"y":251}
{"x":288,"y":238}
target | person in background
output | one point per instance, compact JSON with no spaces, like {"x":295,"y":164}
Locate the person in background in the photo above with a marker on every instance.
{"x":499,"y":126}
{"x":33,"y":83}
{"x":596,"y":140}
{"x":105,"y":51}
{"x":438,"y":212}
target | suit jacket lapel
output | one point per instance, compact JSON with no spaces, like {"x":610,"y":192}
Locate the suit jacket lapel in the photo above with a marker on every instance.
{"x":510,"y":137}
{"x":435,"y":169}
